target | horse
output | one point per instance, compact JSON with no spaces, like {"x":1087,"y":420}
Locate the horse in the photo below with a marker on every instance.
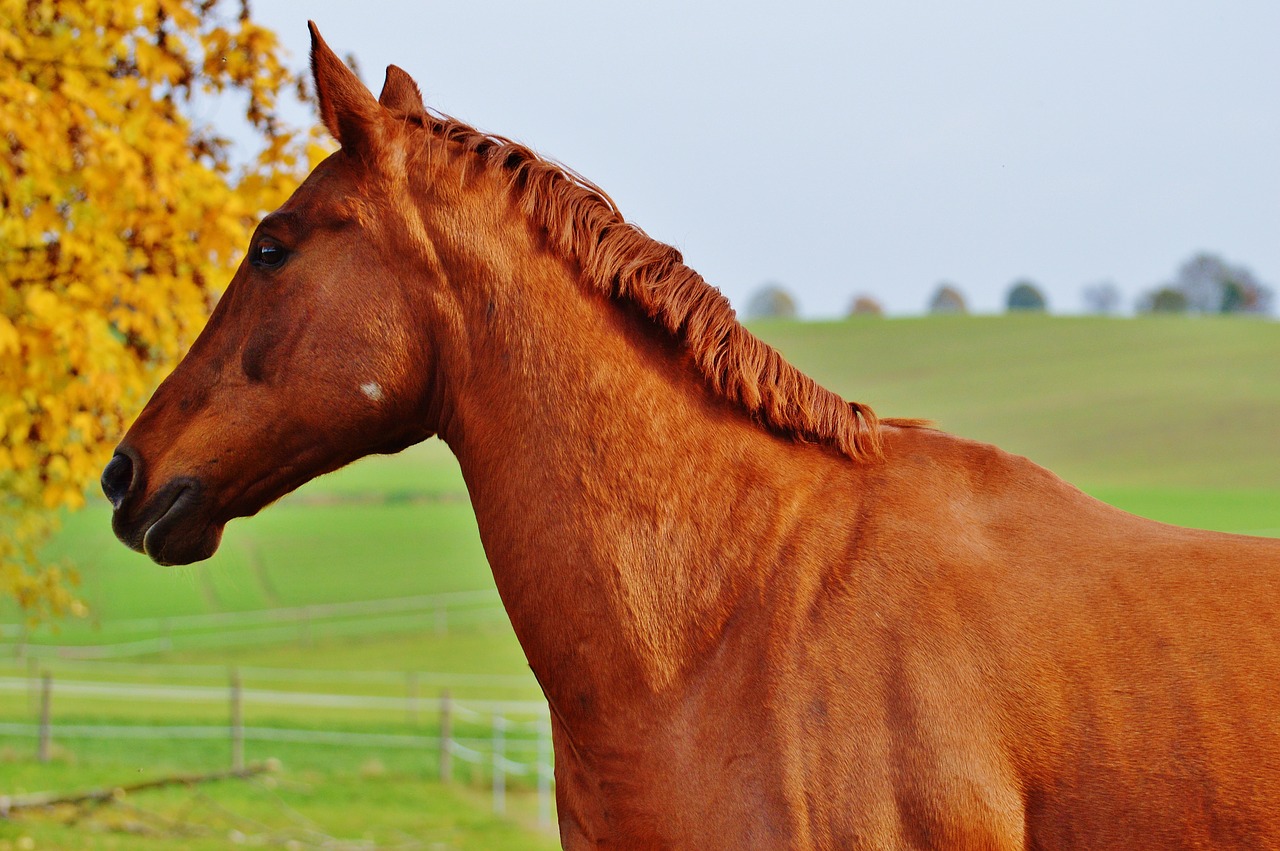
{"x":762,"y":616}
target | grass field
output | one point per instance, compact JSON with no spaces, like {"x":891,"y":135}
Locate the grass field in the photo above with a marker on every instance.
{"x":1175,"y":419}
{"x":1152,"y":402}
{"x":315,"y":800}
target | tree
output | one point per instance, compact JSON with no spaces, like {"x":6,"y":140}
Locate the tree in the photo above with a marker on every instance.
{"x":947,"y":299}
{"x":1164,"y":300}
{"x":1211,"y":285}
{"x":121,"y":221}
{"x":865,"y":305}
{"x":1026,"y":296}
{"x":771,"y":301}
{"x":1102,"y":298}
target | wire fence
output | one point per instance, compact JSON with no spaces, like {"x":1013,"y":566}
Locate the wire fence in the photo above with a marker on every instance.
{"x":518,"y":745}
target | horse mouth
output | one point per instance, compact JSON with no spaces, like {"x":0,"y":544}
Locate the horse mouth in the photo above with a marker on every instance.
{"x":169,"y":530}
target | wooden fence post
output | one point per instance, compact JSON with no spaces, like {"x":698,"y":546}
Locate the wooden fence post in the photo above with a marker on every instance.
{"x":411,"y":693}
{"x":46,"y":708}
{"x":446,"y":738}
{"x":544,"y":775}
{"x":237,"y":722}
{"x":33,"y":684}
{"x":499,"y":767}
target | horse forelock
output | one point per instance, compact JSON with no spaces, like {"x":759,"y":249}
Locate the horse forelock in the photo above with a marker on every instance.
{"x":620,"y":259}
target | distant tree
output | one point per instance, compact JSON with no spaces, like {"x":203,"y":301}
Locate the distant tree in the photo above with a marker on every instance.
{"x":1163,"y":300}
{"x":771,"y":301}
{"x":947,"y":299}
{"x":1235,"y":298}
{"x":865,"y":305}
{"x":1211,"y":285}
{"x":1102,"y":298}
{"x":1026,"y":296}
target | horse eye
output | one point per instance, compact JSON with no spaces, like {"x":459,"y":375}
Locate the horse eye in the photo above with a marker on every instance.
{"x":268,"y":254}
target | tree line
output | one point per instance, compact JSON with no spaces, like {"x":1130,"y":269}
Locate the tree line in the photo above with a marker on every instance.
{"x":1204,"y":284}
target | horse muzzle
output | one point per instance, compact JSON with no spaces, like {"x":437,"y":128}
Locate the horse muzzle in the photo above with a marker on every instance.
{"x":168,"y":526}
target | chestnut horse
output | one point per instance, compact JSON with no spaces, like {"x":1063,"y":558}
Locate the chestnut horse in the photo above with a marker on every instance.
{"x":762,"y":617}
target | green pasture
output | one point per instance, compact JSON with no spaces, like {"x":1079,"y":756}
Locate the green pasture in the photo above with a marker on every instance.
{"x":1175,"y":419}
{"x":309,"y":548}
{"x":1181,"y":403}
{"x":315,"y":799}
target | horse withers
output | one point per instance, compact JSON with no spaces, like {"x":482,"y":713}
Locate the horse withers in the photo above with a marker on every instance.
{"x":762,"y":617}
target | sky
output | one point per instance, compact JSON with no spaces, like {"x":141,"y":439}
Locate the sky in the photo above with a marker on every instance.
{"x":879,"y":148}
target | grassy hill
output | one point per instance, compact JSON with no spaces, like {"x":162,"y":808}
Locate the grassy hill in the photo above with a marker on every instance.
{"x":1174,"y":418}
{"x":1191,"y":403}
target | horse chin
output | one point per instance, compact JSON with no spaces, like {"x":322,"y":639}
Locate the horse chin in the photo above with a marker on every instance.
{"x":168,"y":543}
{"x":171,"y":530}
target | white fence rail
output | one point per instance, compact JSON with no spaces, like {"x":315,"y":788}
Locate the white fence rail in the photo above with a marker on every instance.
{"x":269,"y":697}
{"x":172,"y":671}
{"x":213,"y":732}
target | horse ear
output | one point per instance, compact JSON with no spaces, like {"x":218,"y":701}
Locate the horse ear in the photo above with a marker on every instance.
{"x":347,"y":108}
{"x":400,"y":93}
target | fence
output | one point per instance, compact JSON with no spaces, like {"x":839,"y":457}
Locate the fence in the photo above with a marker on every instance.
{"x":518,"y":728}
{"x":175,"y":671}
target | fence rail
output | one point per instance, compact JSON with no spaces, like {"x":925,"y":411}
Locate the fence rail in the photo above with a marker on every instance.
{"x":213,"y":732}
{"x":271,"y":697}
{"x":302,"y":675}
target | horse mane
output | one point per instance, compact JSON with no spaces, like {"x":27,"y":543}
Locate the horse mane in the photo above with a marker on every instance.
{"x":583,"y":222}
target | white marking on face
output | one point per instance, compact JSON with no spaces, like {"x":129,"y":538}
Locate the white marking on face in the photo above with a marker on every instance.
{"x":372,"y":390}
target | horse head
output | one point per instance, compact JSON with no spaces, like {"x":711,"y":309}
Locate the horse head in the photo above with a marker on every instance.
{"x":312,"y":357}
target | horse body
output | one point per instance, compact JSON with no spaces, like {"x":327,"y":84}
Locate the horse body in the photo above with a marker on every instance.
{"x":1001,"y":663}
{"x":761,"y":619}
{"x":952,"y":648}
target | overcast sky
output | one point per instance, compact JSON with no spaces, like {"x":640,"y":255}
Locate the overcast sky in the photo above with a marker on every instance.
{"x":844,"y":148}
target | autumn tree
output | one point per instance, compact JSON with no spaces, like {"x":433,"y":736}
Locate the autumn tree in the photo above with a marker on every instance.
{"x":865,"y":305}
{"x":122,"y":219}
{"x":771,"y":301}
{"x":947,"y":299}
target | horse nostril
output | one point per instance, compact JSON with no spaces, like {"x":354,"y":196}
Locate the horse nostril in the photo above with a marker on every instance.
{"x":117,"y":477}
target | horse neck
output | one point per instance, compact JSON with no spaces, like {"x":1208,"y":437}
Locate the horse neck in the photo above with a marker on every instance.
{"x":606,"y":481}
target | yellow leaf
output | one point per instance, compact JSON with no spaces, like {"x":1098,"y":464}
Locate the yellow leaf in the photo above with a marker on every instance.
{"x":9,"y":341}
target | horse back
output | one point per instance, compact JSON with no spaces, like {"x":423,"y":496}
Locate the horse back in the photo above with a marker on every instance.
{"x":1019,"y":665}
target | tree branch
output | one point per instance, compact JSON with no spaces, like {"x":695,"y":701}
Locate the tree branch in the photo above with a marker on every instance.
{"x":38,"y":800}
